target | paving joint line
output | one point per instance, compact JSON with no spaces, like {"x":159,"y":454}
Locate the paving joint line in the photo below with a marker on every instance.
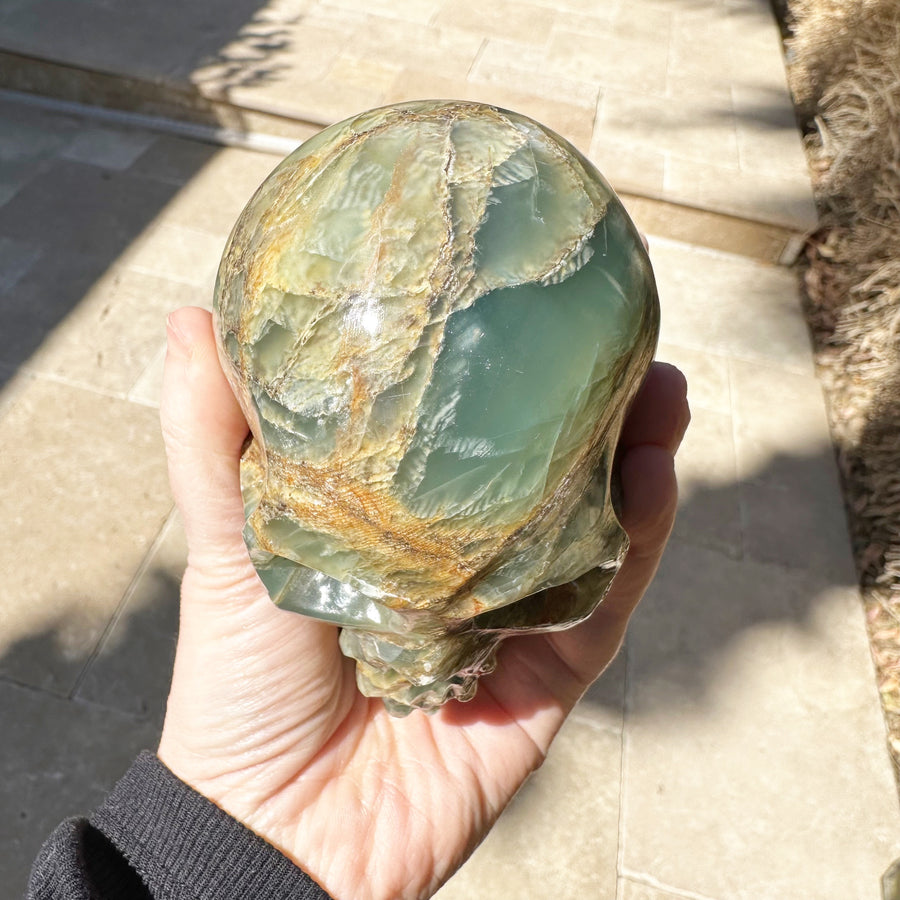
{"x":650,"y":881}
{"x":127,"y":594}
{"x":623,"y":763}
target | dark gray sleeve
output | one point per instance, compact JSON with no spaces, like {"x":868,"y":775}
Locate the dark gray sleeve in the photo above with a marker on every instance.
{"x":155,"y":838}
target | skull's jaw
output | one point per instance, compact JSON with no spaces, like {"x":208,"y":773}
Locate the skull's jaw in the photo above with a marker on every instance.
{"x":416,"y":674}
{"x":408,"y":672}
{"x":412,"y":659}
{"x":420,"y":659}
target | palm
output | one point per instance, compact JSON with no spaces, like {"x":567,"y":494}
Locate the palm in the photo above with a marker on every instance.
{"x":285,"y":761}
{"x":264,"y":717}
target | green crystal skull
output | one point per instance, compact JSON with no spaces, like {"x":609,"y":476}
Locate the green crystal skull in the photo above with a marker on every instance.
{"x":434,"y":316}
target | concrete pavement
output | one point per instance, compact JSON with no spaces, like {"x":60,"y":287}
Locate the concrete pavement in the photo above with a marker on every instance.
{"x":736,"y":748}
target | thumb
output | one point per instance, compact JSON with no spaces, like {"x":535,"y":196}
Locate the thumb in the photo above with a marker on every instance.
{"x":203,"y":429}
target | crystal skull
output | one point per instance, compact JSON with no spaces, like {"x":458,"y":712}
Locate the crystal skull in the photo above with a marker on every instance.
{"x":434,"y":315}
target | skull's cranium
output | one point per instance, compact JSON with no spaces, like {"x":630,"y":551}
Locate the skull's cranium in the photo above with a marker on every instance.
{"x":434,"y":315}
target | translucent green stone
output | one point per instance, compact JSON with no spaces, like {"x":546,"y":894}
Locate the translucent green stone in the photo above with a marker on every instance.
{"x":434,"y":316}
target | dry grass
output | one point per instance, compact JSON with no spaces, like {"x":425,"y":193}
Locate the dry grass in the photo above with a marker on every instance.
{"x":845,"y":74}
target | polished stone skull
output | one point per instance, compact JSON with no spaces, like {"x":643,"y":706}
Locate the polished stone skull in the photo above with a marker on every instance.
{"x":434,"y":316}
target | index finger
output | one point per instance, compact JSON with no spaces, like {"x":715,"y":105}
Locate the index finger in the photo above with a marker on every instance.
{"x":659,"y":413}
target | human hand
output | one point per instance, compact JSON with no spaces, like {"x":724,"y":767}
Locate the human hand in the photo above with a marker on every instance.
{"x":264,"y":717}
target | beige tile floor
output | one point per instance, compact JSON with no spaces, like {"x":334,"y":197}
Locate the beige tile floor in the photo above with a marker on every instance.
{"x":683,"y":100}
{"x":735,"y":749}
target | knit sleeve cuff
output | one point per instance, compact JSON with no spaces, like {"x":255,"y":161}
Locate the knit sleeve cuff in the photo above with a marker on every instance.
{"x":185,"y":848}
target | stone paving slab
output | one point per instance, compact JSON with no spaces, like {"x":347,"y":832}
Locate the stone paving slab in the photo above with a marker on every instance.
{"x":750,"y":645}
{"x":89,"y":589}
{"x":83,"y":489}
{"x":722,"y":303}
{"x":681,"y":100}
{"x":786,"y":461}
{"x":113,"y":332}
{"x":131,"y":668}
{"x":58,"y":758}
{"x":629,"y":889}
{"x":548,"y":846}
{"x":708,"y":484}
{"x":746,"y":690}
{"x":746,"y":773}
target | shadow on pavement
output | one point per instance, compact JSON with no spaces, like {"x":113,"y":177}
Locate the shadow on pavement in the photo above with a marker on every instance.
{"x":62,"y":755}
{"x":65,"y":216}
{"x":163,"y":42}
{"x":68,"y":750}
